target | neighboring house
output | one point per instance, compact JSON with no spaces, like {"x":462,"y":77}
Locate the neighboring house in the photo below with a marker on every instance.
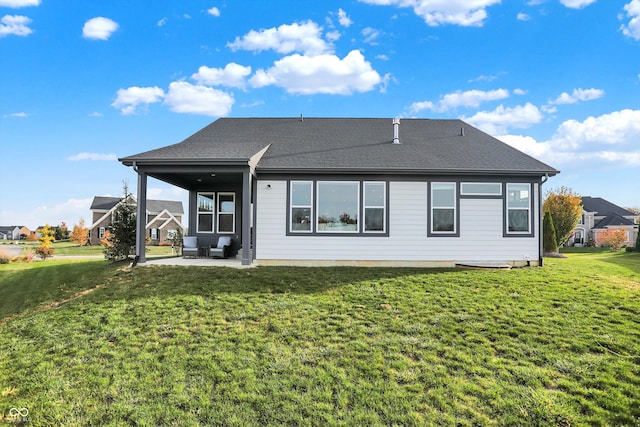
{"x":599,"y":215}
{"x":11,"y":232}
{"x":163,"y":219}
{"x":14,"y":232}
{"x":341,"y":191}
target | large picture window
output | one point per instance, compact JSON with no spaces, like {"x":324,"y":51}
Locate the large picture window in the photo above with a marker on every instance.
{"x":205,"y":212}
{"x":518,"y":209}
{"x":301,"y":203}
{"x":443,"y":208}
{"x":226,"y":212}
{"x":337,"y":207}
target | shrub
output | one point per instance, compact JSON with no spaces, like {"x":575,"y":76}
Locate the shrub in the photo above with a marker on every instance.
{"x":630,"y":249}
{"x":43,"y":252}
{"x":611,"y":238}
{"x":550,"y":243}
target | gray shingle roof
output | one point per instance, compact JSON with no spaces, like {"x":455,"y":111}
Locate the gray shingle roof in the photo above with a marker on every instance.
{"x":349,"y":144}
{"x":106,"y":203}
{"x":602,"y":207}
{"x":613,"y":219}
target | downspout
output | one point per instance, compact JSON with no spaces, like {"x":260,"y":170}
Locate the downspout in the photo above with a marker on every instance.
{"x":545,"y":178}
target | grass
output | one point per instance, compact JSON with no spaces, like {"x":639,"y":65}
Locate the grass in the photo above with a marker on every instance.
{"x":68,"y":248}
{"x":558,"y":345}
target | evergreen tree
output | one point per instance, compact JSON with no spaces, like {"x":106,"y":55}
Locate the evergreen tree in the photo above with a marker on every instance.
{"x":121,"y":239}
{"x":549,"y":242}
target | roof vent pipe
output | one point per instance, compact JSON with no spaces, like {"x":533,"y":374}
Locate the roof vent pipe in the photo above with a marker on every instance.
{"x":462,"y":131}
{"x":396,"y":131}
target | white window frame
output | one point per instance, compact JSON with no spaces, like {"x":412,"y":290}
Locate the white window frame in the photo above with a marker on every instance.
{"x":309,"y":206}
{"x":365,"y":205}
{"x":528,"y":208}
{"x":219,"y":213}
{"x":101,"y":232}
{"x":358,"y":200}
{"x":466,"y":189}
{"x":212,"y":212}
{"x":154,"y":234}
{"x":432,"y":207}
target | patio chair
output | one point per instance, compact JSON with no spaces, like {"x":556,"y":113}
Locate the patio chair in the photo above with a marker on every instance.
{"x":221,"y":250}
{"x":190,"y":247}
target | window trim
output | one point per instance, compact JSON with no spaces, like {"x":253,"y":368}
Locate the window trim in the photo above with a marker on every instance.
{"x":212,"y":213}
{"x":506,"y":209}
{"x":456,"y":210}
{"x":314,"y":209}
{"x":291,"y":206}
{"x":219,"y":213}
{"x":357,"y":185}
{"x":481,"y":195}
{"x":365,"y":206}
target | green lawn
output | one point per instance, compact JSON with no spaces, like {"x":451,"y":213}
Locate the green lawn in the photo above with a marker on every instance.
{"x":68,"y":248}
{"x":558,"y":345}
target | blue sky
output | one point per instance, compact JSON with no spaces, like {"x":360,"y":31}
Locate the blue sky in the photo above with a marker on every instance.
{"x":85,"y":82}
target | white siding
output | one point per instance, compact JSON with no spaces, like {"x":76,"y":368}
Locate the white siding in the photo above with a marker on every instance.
{"x":481,"y":232}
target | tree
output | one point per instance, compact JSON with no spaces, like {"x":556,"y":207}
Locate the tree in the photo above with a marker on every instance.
{"x":120,"y":240}
{"x":80,"y":233}
{"x":61,"y":231}
{"x":611,"y":238}
{"x":549,"y":242}
{"x":638,"y":242}
{"x":565,"y":208}
{"x":47,"y":236}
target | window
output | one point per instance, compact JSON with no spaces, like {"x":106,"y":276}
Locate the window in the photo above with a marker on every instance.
{"x":518,"y":209}
{"x":374,"y":207}
{"x":101,"y":232}
{"x":481,"y":189}
{"x":205,"y":212}
{"x":172,"y":234}
{"x":301,"y":206}
{"x":226,"y":212}
{"x":154,"y":234}
{"x":338,"y":204}
{"x":337,"y":207}
{"x":443,"y":208}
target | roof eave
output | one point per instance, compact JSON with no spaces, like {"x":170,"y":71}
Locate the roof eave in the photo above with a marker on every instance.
{"x":405,"y":171}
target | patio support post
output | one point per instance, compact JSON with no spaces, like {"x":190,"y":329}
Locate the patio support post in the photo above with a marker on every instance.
{"x":141,"y":217}
{"x":246,"y":219}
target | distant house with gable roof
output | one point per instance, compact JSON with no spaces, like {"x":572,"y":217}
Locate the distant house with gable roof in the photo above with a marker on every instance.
{"x":163,"y":219}
{"x":599,"y":215}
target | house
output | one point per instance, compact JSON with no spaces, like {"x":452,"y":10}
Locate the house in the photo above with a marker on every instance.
{"x":14,"y":232}
{"x":11,"y":232}
{"x":163,"y":219}
{"x":599,"y":215}
{"x":350,"y":191}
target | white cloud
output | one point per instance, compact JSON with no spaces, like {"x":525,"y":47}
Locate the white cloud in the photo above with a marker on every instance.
{"x":304,"y":38}
{"x":577,"y":4}
{"x":344,"y":19}
{"x":128,"y":99}
{"x":162,"y":22}
{"x":619,"y":127}
{"x":99,"y":28}
{"x":68,"y":212}
{"x":92,"y":156}
{"x":232,"y":75}
{"x":214,"y":11}
{"x":496,"y":122}
{"x":523,"y":17}
{"x":19,"y":3}
{"x":16,"y":25}
{"x":21,"y":114}
{"x":370,"y":35}
{"x":578,"y":95}
{"x":95,"y":114}
{"x":632,"y":29}
{"x":437,"y":12}
{"x":183,"y":97}
{"x":470,"y":98}
{"x":607,"y":139}
{"x":326,"y":74}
